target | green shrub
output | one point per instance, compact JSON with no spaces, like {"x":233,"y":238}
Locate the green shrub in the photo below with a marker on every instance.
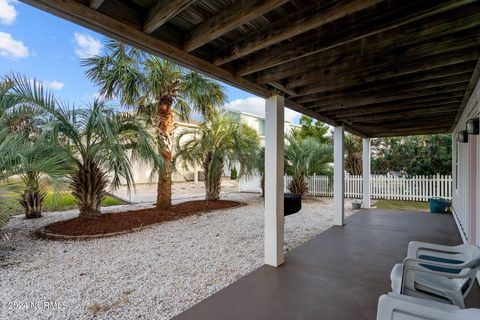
{"x":233,"y":173}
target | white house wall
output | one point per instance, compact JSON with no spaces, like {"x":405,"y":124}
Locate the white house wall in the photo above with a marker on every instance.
{"x":462,"y":187}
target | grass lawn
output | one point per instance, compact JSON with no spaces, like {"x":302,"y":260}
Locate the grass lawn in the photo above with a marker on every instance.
{"x":402,"y":205}
{"x":65,"y":201}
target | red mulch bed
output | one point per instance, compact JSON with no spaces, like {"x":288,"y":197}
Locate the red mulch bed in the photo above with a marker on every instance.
{"x":119,"y":222}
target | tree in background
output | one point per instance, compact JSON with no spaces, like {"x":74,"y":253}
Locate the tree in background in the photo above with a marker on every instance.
{"x":305,"y":156}
{"x":312,"y":128}
{"x":413,"y":155}
{"x":217,"y":142}
{"x":154,"y":87}
{"x":353,"y":154}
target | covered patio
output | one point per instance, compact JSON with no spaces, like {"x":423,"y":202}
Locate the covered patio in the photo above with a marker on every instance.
{"x":337,"y":275}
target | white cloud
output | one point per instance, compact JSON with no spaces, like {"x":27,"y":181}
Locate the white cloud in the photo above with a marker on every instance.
{"x":54,"y":85}
{"x":256,"y":106}
{"x":86,"y":46}
{"x":11,"y":48}
{"x":8,"y":14}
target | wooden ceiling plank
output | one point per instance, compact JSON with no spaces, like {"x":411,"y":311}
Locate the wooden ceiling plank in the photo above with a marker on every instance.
{"x":163,"y":11}
{"x":385,"y":108}
{"x":347,"y":82}
{"x":281,"y":87}
{"x":292,"y":25}
{"x":388,"y":83}
{"x":393,"y":54}
{"x":356,"y":103}
{"x":95,"y":4}
{"x":397,"y":89}
{"x":227,"y":20}
{"x":378,"y":71}
{"x":471,"y":86}
{"x":365,"y":30}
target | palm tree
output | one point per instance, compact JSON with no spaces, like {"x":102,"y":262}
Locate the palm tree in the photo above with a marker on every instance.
{"x":304,"y":157}
{"x":101,"y":142}
{"x":260,"y":169}
{"x":217,"y":142}
{"x":155,"y":86}
{"x":97,"y":142}
{"x":353,"y":154}
{"x":40,"y":160}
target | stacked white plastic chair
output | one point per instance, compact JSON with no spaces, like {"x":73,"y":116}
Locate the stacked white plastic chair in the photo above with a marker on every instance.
{"x":401,"y":307}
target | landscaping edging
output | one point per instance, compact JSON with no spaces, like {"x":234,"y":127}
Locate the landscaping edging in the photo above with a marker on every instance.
{"x":43,"y":233}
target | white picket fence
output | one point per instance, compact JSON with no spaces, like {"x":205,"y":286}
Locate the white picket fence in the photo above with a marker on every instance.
{"x":416,"y":188}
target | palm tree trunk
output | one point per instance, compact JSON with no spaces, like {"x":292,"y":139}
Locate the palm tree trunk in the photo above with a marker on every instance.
{"x":164,"y":135}
{"x":32,"y":200}
{"x":213,"y":180}
{"x":89,"y":186}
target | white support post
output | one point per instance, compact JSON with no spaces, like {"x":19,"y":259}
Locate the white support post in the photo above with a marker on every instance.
{"x":366,"y":173}
{"x":274,"y":154}
{"x":195,"y":174}
{"x":338,"y":176}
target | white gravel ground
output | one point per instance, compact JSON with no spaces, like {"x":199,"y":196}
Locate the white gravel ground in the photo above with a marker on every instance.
{"x":152,"y":274}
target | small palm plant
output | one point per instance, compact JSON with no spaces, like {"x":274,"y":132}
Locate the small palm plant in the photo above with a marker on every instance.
{"x":154,"y":87}
{"x":100,"y":142}
{"x":39,"y":159}
{"x":303,"y":157}
{"x":217,"y":142}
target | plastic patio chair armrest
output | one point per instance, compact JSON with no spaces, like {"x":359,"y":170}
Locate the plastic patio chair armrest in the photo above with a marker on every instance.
{"x":418,"y":265}
{"x":415,"y":246}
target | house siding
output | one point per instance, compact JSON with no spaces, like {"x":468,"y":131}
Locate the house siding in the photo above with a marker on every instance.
{"x":466,"y":176}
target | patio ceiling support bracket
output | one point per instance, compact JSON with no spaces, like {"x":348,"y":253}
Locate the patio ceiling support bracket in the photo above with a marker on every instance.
{"x":339,"y":175}
{"x":366,"y":173}
{"x":274,"y":155}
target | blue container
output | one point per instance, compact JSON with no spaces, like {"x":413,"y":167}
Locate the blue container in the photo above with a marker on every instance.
{"x":438,"y":205}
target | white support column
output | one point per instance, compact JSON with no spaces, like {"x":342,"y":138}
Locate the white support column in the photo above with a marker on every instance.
{"x":366,"y":173}
{"x":195,"y":174}
{"x":274,"y":154}
{"x":338,"y":176}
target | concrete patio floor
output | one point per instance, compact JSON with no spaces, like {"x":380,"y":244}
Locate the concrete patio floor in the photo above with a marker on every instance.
{"x":339,"y":274}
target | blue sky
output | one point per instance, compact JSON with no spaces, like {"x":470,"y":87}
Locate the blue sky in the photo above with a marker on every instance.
{"x":42,"y":46}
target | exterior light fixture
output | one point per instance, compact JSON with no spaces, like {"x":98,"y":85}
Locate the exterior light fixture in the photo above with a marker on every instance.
{"x":462,"y":136}
{"x":472,"y":126}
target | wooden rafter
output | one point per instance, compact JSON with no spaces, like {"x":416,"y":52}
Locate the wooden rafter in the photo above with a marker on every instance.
{"x":227,"y":20}
{"x":380,"y":71}
{"x":471,"y":85}
{"x":406,"y":88}
{"x":95,"y":4}
{"x":393,"y":54}
{"x":427,"y":95}
{"x":163,"y":11}
{"x":297,"y":23}
{"x":387,"y":25}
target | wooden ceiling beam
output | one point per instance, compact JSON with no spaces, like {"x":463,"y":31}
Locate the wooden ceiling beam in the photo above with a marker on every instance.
{"x":95,"y":4}
{"x":282,"y":88}
{"x":463,"y":70}
{"x":383,"y":31}
{"x":411,"y":114}
{"x":397,"y":133}
{"x":345,"y":82}
{"x":385,"y":56}
{"x":397,"y":89}
{"x":311,"y":17}
{"x":227,"y":20}
{"x":427,"y":95}
{"x":377,"y":71}
{"x":390,"y":107}
{"x":163,"y":11}
{"x":471,"y":86}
